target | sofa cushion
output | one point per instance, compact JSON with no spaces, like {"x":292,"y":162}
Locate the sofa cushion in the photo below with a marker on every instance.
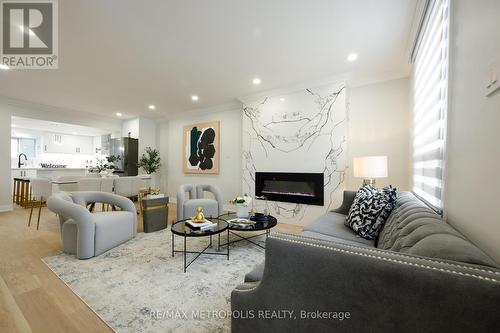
{"x":256,"y":274}
{"x":112,"y":229}
{"x":415,"y":229}
{"x":210,"y":207}
{"x":332,"y":224}
{"x":370,"y":210}
{"x":315,"y":235}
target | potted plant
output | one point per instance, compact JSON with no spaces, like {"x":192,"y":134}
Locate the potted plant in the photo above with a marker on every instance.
{"x":150,"y":161}
{"x":106,"y":167}
{"x":242,"y":203}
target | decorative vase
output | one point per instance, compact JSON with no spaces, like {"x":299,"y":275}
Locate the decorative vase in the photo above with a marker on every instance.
{"x":106,"y":173}
{"x":242,"y":211}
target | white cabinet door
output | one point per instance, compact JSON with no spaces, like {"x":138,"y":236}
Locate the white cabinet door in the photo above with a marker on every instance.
{"x":54,"y":143}
{"x":83,"y":144}
{"x":67,"y":144}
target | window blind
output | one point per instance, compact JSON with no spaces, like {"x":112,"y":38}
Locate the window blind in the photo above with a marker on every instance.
{"x":430,"y":96}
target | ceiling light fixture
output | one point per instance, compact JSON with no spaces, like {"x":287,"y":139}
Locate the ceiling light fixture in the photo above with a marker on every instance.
{"x":352,"y":57}
{"x":118,"y":114}
{"x":152,"y":107}
{"x":4,"y":67}
{"x":256,"y":81}
{"x":195,"y":98}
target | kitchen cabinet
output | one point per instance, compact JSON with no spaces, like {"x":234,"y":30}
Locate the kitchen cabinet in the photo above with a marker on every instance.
{"x":67,"y":144}
{"x":20,"y":173}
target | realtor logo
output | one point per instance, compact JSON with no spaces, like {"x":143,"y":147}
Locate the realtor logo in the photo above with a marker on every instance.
{"x":29,"y":34}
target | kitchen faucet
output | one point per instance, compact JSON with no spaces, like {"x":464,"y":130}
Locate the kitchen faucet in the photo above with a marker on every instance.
{"x":19,"y":163}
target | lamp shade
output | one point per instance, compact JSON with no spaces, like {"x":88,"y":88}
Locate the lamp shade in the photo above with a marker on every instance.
{"x":370,"y":167}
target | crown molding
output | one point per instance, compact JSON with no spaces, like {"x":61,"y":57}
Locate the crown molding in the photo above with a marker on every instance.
{"x":352,"y":80}
{"x":32,"y":107}
{"x":234,"y":105}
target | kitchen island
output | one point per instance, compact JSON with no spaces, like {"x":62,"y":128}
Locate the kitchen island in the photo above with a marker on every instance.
{"x":51,"y":173}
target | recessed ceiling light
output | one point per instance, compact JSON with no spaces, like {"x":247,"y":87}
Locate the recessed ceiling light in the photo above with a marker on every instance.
{"x":152,"y":107}
{"x":282,"y":99}
{"x":195,"y":98}
{"x":4,"y":67}
{"x":352,"y":57}
{"x":12,"y":125}
{"x":256,"y":81}
{"x":118,"y":114}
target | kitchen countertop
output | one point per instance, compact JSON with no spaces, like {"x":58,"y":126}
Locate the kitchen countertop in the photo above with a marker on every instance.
{"x":49,"y":169}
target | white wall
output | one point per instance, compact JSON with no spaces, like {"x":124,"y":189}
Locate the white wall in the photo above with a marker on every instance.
{"x":473,"y":153}
{"x":162,"y":135}
{"x":229,"y":177}
{"x":5,"y":174}
{"x":147,"y":134}
{"x":379,"y":125}
{"x":130,"y":126}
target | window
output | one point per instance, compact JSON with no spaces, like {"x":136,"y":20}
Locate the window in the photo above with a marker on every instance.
{"x":23,"y":145}
{"x":430,"y":103}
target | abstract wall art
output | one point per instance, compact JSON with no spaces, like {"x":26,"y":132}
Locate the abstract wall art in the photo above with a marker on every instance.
{"x":201,"y":144}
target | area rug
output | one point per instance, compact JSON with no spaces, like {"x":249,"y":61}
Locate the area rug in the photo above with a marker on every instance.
{"x":139,"y":287}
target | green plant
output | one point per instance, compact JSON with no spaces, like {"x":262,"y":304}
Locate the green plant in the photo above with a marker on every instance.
{"x":150,"y":161}
{"x":245,"y":199}
{"x":113,"y":158}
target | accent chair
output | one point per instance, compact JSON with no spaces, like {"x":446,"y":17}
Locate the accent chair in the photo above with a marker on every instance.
{"x":89,"y":234}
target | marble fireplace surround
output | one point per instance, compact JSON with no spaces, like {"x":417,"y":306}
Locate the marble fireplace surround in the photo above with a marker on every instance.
{"x":304,"y":130}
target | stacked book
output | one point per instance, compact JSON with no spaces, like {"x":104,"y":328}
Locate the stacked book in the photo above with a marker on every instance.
{"x":207,"y":225}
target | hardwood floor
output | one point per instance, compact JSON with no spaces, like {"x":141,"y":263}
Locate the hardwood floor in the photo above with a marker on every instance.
{"x":32,"y":298}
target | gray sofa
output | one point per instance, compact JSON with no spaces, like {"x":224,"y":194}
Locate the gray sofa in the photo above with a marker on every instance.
{"x":420,"y":276}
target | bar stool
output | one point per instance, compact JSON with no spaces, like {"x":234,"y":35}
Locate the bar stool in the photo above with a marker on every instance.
{"x":41,"y":189}
{"x":106,"y":186}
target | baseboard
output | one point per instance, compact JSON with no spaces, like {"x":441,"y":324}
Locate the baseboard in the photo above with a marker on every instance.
{"x":6,"y":208}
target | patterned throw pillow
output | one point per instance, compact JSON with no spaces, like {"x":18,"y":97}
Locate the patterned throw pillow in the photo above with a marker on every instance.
{"x":370,"y":209}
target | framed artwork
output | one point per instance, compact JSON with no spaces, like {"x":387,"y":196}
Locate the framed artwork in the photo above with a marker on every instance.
{"x":201,"y":148}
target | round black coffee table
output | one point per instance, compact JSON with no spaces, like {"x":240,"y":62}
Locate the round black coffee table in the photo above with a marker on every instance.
{"x":180,"y":228}
{"x":259,"y":222}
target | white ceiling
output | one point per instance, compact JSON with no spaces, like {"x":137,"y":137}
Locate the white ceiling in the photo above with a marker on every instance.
{"x":122,"y":55}
{"x":19,"y":124}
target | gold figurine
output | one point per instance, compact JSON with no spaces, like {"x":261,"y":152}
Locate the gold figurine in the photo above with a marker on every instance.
{"x":199,"y":217}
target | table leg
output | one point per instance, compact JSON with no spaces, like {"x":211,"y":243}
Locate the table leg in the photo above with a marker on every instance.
{"x":210,"y":240}
{"x":172,"y":244}
{"x":23,"y":186}
{"x":14,"y":192}
{"x":227,"y":243}
{"x":18,"y":191}
{"x":218,"y":243}
{"x":185,"y":254}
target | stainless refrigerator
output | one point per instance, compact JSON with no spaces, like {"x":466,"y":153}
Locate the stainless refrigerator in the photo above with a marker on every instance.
{"x":128,"y":150}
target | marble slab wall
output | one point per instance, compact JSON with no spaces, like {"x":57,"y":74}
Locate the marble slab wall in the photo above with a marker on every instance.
{"x":300,"y":131}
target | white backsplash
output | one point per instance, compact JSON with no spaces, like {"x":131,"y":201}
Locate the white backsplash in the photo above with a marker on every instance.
{"x":70,"y":160}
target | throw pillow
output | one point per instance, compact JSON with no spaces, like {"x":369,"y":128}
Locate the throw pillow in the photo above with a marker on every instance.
{"x":370,"y":210}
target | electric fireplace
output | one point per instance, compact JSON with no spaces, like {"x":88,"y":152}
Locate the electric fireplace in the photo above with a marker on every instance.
{"x":305,"y":188}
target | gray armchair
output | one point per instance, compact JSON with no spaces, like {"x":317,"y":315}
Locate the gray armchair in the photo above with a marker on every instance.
{"x":89,"y":234}
{"x":186,"y":207}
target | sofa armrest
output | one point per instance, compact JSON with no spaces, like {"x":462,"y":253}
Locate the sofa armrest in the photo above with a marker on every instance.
{"x":85,"y":197}
{"x":347,"y":201}
{"x":70,"y":211}
{"x":382,"y":291}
